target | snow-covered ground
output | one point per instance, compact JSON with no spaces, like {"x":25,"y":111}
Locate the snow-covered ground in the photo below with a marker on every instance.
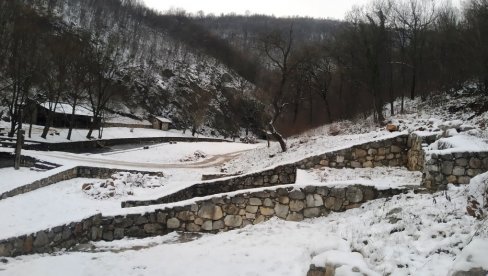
{"x":380,"y":178}
{"x":411,"y":234}
{"x":174,"y":153}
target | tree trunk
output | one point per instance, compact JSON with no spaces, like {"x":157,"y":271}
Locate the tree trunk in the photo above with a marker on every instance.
{"x":72,"y":120}
{"x":49,"y":120}
{"x":276,"y":135}
{"x":414,"y":83}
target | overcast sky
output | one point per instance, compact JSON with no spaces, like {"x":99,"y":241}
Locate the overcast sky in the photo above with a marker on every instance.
{"x":313,"y":8}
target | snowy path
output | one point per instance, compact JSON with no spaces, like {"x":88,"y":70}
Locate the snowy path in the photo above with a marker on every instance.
{"x":85,"y":160}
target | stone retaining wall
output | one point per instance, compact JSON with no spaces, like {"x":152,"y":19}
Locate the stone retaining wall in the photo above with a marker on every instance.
{"x":455,"y":168}
{"x":221,"y":213}
{"x":7,"y":160}
{"x":81,"y":171}
{"x":273,"y":177}
{"x":81,"y":146}
{"x":388,"y":152}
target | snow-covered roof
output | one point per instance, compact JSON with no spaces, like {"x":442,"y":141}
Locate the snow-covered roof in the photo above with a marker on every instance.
{"x":163,"y":120}
{"x":64,"y":108}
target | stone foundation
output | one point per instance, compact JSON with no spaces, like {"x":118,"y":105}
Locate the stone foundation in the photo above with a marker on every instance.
{"x":210,"y":215}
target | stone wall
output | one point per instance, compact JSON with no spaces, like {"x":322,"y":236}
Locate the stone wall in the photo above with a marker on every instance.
{"x":389,"y":152}
{"x":82,"y":171}
{"x":455,"y":168}
{"x":81,"y":146}
{"x":7,"y":160}
{"x":416,"y":153}
{"x":211,"y":215}
{"x":277,"y":176}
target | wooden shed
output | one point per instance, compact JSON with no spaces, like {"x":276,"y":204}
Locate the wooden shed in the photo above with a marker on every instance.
{"x":161,"y":123}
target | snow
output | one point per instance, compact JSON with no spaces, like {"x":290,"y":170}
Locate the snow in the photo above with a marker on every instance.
{"x":164,"y":120}
{"x":473,"y":256}
{"x":381,"y":178}
{"x":11,"y":178}
{"x":64,"y":108}
{"x":171,"y":153}
{"x":405,"y":235}
{"x":458,"y":143}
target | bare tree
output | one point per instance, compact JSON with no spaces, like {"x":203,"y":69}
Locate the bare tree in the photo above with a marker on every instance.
{"x":278,"y":46}
{"x":414,"y":17}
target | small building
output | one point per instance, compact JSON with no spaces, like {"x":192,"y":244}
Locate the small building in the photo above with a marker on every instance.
{"x":37,"y":114}
{"x":161,"y":123}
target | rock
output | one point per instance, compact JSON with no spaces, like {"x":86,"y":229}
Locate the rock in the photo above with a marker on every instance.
{"x":339,"y":158}
{"x":259,"y":219}
{"x":207,"y":225}
{"x":255,"y":201}
{"x":361,"y":153}
{"x":265,"y":211}
{"x":108,"y":236}
{"x":458,"y":171}
{"x":283,"y":199}
{"x":233,"y":221}
{"x":251,"y":209}
{"x":395,"y":149}
{"x":231,"y":209}
{"x":368,"y":164}
{"x":447,"y":167}
{"x":210,"y":211}
{"x":333,"y":203}
{"x":311,"y":212}
{"x":391,"y":127}
{"x":355,"y":164}
{"x":296,"y":195}
{"x":281,"y":210}
{"x":87,"y":186}
{"x":462,"y":162}
{"x":274,"y":179}
{"x":297,"y":205}
{"x":198,"y":221}
{"x":28,"y":244}
{"x":314,"y":200}
{"x":293,"y":216}
{"x":268,"y":202}
{"x":118,"y":233}
{"x":173,"y":223}
{"x":152,"y":228}
{"x":186,"y":216}
{"x":217,"y":225}
{"x":464,"y":180}
{"x":474,"y":163}
{"x":354,"y":194}
{"x":41,"y":239}
{"x":192,"y":227}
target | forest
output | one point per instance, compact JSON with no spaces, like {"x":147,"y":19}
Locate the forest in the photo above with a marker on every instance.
{"x":236,"y":72}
